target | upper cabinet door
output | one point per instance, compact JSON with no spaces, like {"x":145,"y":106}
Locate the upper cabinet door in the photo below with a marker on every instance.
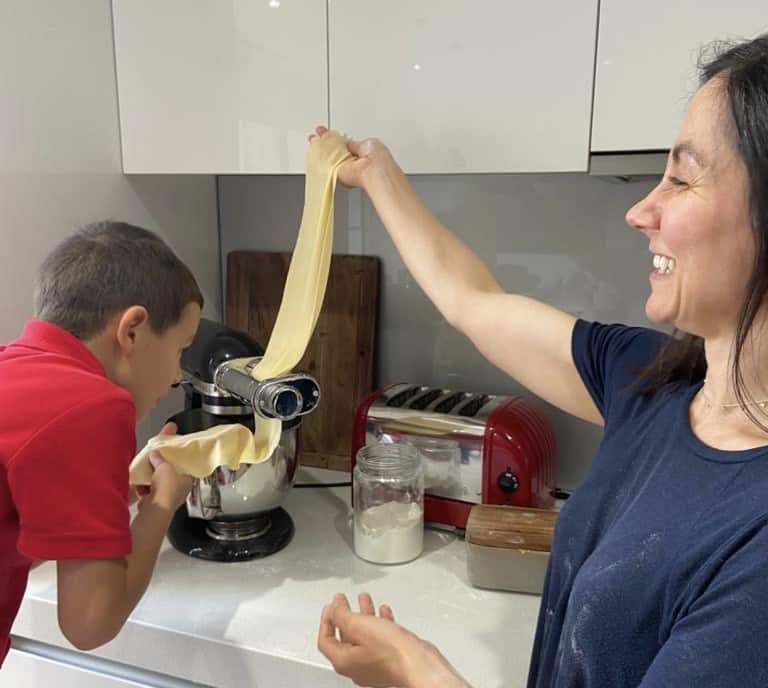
{"x":466,"y":85}
{"x":220,"y":86}
{"x":646,"y":64}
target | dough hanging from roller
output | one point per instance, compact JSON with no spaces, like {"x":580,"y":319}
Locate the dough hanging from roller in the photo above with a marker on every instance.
{"x":199,"y":453}
{"x":308,"y":273}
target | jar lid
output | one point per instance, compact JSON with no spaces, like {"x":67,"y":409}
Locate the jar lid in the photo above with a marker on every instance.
{"x":389,"y":459}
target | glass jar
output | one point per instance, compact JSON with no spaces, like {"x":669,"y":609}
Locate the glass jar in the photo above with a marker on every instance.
{"x":389,"y":503}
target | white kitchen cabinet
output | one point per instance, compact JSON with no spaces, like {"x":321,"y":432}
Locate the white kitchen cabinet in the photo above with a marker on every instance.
{"x":646,"y":64}
{"x":22,"y":670}
{"x":31,"y":664}
{"x":466,"y":85}
{"x":219,"y":86}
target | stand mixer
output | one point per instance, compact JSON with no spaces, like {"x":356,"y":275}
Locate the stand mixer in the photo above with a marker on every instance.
{"x":235,"y":515}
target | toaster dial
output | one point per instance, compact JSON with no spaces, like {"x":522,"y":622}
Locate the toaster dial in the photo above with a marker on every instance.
{"x":507,"y":481}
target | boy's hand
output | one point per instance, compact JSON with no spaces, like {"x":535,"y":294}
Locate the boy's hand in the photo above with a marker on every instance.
{"x":169,"y":489}
{"x":144,"y":490}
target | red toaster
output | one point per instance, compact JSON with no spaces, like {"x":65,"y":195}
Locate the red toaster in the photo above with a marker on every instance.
{"x":476,"y":448}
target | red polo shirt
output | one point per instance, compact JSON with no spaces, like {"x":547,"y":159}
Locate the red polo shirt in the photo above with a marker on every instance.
{"x":67,"y":436}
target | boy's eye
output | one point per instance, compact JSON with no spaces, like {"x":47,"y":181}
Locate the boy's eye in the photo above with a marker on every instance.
{"x":675,"y":181}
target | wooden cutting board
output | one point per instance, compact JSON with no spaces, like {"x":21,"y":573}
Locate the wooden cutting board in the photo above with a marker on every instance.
{"x":341,"y":352}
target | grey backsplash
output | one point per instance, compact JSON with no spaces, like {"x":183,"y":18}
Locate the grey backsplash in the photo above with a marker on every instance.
{"x":559,"y":238}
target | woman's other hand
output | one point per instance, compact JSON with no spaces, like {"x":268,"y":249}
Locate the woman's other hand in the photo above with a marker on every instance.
{"x":375,"y":652}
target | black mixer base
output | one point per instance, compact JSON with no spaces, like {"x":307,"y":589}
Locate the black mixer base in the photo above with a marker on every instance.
{"x":190,"y":536}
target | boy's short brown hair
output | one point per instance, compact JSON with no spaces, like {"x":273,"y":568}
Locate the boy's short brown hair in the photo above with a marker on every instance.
{"x":106,"y":267}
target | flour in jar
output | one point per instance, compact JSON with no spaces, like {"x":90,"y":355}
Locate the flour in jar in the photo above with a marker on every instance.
{"x":389,"y":533}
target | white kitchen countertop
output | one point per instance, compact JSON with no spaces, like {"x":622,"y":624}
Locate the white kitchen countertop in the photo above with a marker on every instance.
{"x":254,"y":624}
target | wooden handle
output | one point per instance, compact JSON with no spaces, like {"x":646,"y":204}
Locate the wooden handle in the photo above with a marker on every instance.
{"x":511,"y":527}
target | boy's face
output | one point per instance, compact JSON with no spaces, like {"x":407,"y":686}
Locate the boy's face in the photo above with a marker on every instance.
{"x":151,"y":362}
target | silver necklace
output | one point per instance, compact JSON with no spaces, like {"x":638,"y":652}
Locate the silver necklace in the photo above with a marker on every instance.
{"x":762,"y":404}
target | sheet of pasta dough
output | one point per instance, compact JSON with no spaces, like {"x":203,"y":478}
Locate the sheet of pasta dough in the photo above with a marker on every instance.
{"x":199,"y":453}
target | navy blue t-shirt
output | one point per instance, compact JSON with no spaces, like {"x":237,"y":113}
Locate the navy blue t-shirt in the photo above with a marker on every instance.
{"x":659,"y":568}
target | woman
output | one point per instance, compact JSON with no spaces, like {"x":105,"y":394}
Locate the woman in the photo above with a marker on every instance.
{"x":659,"y":566}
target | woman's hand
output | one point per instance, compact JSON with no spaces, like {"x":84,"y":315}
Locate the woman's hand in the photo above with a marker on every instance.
{"x":376,"y":652}
{"x":371,"y":156}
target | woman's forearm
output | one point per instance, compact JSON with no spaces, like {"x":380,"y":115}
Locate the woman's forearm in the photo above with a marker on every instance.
{"x":428,"y":668}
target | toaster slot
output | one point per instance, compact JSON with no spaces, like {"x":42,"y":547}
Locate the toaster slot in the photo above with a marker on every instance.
{"x":420,"y":403}
{"x":448,"y":403}
{"x":473,"y":406}
{"x":402,"y":397}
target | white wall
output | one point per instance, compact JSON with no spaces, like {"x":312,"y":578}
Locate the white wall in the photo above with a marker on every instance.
{"x":559,"y":238}
{"x":60,"y":156}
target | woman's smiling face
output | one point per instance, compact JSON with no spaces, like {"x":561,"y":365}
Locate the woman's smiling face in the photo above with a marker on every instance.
{"x":698,"y":224}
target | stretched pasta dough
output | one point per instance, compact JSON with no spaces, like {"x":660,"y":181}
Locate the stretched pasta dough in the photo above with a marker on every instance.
{"x":199,"y":453}
{"x":308,"y":273}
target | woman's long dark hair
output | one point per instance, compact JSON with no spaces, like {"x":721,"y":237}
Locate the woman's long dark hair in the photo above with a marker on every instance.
{"x":744,"y":70}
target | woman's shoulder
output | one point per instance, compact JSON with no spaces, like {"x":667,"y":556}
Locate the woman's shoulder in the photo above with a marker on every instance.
{"x":620,"y":337}
{"x":619,"y":349}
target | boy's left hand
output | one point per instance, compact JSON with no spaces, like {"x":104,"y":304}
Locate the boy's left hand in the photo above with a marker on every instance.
{"x":144,"y":490}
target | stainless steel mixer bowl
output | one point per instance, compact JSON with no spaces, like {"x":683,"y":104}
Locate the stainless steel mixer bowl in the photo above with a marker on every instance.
{"x":227,"y":495}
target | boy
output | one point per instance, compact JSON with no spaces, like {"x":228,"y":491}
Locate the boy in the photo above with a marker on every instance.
{"x":114,"y":308}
